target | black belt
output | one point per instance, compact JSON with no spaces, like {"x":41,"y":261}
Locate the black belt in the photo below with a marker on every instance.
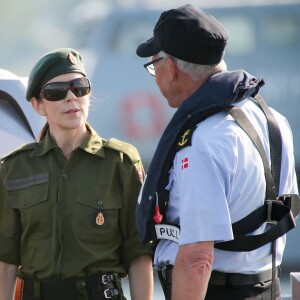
{"x":220,"y":278}
{"x":101,"y":286}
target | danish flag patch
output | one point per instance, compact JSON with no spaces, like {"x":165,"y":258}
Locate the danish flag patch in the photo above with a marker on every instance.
{"x":185,"y":163}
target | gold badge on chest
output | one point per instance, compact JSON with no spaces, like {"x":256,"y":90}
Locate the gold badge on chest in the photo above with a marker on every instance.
{"x":100,"y":219}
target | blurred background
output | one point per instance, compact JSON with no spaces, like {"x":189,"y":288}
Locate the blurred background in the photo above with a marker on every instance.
{"x":264,"y":40}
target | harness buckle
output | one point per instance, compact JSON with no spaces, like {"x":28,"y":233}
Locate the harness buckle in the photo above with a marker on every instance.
{"x":269,"y":211}
{"x":293,"y":202}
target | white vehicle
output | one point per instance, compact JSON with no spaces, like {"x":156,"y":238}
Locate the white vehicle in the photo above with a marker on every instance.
{"x":19,"y":123}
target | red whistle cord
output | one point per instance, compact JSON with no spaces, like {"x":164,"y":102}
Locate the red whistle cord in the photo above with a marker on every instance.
{"x":157,"y":216}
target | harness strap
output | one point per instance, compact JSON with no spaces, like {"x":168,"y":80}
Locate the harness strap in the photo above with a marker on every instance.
{"x":272,"y":211}
{"x":275,"y":142}
{"x":243,"y":242}
{"x":272,"y":177}
{"x":240,"y":117}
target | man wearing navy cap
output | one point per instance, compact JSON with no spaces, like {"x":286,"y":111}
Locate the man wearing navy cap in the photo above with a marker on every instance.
{"x":208,"y":172}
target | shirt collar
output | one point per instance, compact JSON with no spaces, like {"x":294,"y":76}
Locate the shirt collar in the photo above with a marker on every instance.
{"x":93,"y":144}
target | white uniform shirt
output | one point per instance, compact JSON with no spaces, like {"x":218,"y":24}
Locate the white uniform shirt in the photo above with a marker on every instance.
{"x":217,"y":181}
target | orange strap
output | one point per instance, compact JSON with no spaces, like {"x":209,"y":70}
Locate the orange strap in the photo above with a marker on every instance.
{"x":18,"y":289}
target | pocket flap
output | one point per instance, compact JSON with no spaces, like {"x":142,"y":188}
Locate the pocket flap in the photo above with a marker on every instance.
{"x":97,"y":198}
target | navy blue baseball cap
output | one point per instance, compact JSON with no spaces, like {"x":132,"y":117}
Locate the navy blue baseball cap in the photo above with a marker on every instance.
{"x":188,"y":34}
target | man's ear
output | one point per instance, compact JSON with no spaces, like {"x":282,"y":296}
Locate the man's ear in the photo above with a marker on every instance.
{"x":173,"y":69}
{"x":38,"y":106}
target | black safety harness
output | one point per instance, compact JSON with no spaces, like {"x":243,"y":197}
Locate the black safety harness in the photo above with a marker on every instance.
{"x":280,"y":212}
{"x":218,"y":93}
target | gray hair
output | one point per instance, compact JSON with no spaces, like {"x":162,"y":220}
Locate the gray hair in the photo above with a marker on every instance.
{"x":195,"y":71}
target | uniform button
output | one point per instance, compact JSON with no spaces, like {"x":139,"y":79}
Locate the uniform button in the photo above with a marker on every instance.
{"x":100,"y":202}
{"x":65,"y":176}
{"x":26,"y":203}
{"x":61,"y":206}
{"x":62,"y":237}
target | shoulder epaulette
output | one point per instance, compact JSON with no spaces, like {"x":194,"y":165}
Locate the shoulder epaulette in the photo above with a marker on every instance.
{"x":125,"y":148}
{"x":185,"y":138}
{"x":25,"y":147}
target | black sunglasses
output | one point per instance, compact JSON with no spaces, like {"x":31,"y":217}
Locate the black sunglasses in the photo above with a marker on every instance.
{"x":56,"y":91}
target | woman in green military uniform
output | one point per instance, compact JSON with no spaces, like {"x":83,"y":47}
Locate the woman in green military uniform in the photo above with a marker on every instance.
{"x":67,"y":206}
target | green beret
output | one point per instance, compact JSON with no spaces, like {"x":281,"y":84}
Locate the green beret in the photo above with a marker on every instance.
{"x":52,"y":64}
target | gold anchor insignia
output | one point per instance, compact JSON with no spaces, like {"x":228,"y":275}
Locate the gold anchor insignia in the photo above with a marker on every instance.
{"x":100,"y":219}
{"x":183,"y":138}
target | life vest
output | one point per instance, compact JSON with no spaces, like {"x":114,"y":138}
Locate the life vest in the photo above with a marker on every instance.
{"x":217,"y":94}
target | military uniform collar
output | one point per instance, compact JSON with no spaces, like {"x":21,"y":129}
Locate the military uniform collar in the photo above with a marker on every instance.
{"x":92,"y":144}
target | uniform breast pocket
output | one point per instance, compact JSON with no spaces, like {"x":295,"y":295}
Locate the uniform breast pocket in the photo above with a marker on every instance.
{"x":27,"y":198}
{"x":31,"y":202}
{"x":25,"y":193}
{"x":99,"y":210}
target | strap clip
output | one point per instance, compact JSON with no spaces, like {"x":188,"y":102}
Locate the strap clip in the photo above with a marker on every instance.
{"x":269,"y":211}
{"x":293,"y":202}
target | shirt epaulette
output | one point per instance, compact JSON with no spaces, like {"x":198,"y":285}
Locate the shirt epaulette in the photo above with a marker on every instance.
{"x":25,"y":147}
{"x":185,"y":139}
{"x":123,"y":147}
